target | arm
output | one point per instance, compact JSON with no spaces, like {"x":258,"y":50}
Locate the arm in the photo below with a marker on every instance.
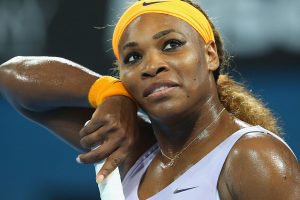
{"x":261,"y":167}
{"x":45,"y":83}
{"x":53,"y":93}
{"x":49,"y":91}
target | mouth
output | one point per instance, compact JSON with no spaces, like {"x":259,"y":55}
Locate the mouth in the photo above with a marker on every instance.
{"x":159,"y":88}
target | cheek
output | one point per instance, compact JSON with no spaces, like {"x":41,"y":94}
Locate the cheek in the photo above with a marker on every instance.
{"x":193,"y":72}
{"x":129,"y":80}
{"x":191,"y":66}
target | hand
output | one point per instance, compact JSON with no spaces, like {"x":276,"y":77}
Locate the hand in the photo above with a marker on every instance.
{"x":114,"y":126}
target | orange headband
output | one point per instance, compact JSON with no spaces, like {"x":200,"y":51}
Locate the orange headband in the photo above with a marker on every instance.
{"x":176,"y":8}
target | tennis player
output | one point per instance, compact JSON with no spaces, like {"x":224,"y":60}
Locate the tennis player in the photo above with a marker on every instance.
{"x":212,"y":138}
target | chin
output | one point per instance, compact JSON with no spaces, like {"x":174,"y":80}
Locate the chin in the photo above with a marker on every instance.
{"x":166,"y":112}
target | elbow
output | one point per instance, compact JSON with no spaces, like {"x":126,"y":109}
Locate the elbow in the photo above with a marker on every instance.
{"x":13,"y":62}
{"x":9,"y":68}
{"x":8,"y":71}
{"x":11,"y":83}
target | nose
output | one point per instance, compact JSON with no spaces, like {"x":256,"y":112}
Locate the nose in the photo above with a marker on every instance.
{"x":154,"y":71}
{"x":154,"y":67}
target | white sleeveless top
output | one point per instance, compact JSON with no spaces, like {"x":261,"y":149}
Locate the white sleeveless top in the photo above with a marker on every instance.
{"x":198,"y":182}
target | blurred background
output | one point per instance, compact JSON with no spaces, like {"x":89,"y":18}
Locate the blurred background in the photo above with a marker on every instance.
{"x":262,"y":35}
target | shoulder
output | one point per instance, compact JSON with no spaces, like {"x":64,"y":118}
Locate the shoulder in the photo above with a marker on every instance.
{"x":261,"y":166}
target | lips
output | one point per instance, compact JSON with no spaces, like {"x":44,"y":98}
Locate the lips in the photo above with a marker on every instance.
{"x":159,"y":87}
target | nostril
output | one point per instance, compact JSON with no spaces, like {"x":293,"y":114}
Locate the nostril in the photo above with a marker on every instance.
{"x":160,"y":69}
{"x":146,"y":74}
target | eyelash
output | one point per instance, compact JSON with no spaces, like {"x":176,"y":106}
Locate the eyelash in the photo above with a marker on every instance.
{"x":137,"y":56}
{"x":134,"y":55}
{"x":173,"y":41}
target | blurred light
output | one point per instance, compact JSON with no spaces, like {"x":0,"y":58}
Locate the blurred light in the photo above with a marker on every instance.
{"x":24,"y":25}
{"x":249,"y":28}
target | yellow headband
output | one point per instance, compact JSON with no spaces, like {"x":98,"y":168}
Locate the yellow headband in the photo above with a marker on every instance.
{"x":176,"y":8}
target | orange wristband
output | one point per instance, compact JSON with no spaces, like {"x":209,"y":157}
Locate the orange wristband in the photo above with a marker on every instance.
{"x":104,"y":87}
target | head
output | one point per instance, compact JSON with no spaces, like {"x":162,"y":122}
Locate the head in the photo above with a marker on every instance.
{"x":166,"y":63}
{"x":224,"y":57}
{"x":170,"y":67}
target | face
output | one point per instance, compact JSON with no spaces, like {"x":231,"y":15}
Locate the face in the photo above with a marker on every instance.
{"x":166,"y":66}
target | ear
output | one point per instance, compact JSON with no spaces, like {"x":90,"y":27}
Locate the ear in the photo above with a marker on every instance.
{"x":212,"y":56}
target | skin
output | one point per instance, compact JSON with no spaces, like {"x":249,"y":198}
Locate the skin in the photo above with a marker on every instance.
{"x":258,"y":167}
{"x":53,"y":93}
{"x":30,"y":84}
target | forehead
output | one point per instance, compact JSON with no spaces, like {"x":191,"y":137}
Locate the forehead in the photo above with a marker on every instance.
{"x":151,"y":23}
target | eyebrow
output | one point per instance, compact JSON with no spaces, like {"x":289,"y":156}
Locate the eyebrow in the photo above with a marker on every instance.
{"x":130,"y":44}
{"x":162,"y":33}
{"x":155,"y":37}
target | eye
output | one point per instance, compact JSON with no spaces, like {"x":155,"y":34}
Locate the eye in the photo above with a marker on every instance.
{"x":131,"y":58}
{"x":172,"y":45}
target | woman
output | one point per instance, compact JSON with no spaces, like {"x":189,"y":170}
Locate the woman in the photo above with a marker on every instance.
{"x":169,"y":53}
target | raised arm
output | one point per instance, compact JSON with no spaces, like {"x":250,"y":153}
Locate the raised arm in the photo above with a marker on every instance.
{"x":50,"y":91}
{"x":43,"y":83}
{"x":53,"y":93}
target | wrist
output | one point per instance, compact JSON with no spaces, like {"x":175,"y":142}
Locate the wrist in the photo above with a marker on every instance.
{"x":105,"y":87}
{"x":123,"y":101}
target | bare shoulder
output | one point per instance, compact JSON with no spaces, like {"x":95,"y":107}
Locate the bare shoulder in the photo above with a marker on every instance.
{"x":261,"y":166}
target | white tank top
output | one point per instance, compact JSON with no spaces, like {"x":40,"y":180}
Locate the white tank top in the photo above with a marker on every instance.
{"x":198,"y":182}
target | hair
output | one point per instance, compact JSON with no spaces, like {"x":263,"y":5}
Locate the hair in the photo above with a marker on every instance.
{"x":234,"y":96}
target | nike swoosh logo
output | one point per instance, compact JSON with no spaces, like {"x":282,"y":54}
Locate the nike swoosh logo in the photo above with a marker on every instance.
{"x":150,"y":3}
{"x":183,"y":190}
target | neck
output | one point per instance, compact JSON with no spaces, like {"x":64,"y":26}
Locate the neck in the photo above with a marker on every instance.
{"x":175,"y":135}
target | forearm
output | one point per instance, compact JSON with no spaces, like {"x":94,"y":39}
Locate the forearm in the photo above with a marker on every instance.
{"x":45,"y":83}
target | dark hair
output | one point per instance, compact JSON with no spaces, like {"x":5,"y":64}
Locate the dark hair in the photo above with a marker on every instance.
{"x":235,"y":97}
